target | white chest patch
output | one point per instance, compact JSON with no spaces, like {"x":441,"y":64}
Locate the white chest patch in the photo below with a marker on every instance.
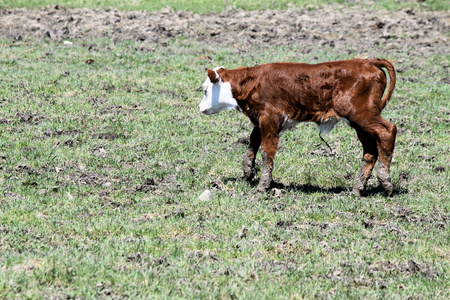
{"x":326,"y":126}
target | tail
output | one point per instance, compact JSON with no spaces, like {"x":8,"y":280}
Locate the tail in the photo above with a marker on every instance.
{"x":383,"y":63}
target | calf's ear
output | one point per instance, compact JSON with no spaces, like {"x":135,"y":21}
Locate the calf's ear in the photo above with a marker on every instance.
{"x":213,"y":76}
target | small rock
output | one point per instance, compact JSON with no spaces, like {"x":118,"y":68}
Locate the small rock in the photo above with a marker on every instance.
{"x":276,"y":193}
{"x":205,"y":196}
{"x":100,"y":152}
{"x":243,"y":232}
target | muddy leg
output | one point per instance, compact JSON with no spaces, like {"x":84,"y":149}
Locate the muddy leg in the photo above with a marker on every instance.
{"x":270,"y":129}
{"x":266,"y":175}
{"x":384,"y":178}
{"x":249,"y":159}
{"x":386,"y":144}
{"x":369,"y":158}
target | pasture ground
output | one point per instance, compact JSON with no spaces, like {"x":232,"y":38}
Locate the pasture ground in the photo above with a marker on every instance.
{"x":103,"y":155}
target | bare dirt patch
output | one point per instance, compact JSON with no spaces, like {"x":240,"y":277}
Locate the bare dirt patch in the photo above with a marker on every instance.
{"x":55,"y":133}
{"x":363,"y":30}
{"x":29,"y":118}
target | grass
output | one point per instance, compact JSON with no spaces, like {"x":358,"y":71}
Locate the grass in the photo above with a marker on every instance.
{"x":102,"y":164}
{"x":202,"y":6}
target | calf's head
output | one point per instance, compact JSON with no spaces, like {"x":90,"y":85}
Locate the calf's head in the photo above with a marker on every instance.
{"x":218,"y":95}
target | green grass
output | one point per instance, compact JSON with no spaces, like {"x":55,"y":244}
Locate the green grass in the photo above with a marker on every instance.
{"x":202,"y":6}
{"x":78,"y":225}
{"x":77,"y":220}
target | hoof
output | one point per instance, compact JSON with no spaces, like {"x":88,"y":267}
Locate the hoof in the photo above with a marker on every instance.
{"x":249,"y":168}
{"x":249,"y":173}
{"x":385,"y":180}
{"x":359,"y":186}
{"x":263,"y":187}
{"x":357,"y":192}
{"x":388,"y":188}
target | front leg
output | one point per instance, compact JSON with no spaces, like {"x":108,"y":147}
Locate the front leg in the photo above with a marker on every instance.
{"x":249,"y":159}
{"x":266,"y":175}
{"x":270,"y":127}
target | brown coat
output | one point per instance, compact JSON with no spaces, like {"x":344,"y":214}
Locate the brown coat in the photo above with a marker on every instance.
{"x":273,"y":95}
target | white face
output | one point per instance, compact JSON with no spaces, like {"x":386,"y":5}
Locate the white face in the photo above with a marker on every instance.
{"x":218,"y":97}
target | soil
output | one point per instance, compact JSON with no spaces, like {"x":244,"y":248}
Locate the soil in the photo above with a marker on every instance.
{"x":358,"y":29}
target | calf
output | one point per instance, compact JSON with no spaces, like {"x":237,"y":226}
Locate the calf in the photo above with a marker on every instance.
{"x":277,"y":96}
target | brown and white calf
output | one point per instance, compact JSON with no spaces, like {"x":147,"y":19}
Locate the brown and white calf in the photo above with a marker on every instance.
{"x":279,"y":95}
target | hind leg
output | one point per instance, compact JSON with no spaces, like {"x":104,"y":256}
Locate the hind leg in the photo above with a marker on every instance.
{"x":249,"y":159}
{"x":370,"y":156}
{"x":386,"y":144}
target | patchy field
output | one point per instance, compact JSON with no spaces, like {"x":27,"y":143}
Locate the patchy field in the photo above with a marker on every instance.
{"x":103,"y":156}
